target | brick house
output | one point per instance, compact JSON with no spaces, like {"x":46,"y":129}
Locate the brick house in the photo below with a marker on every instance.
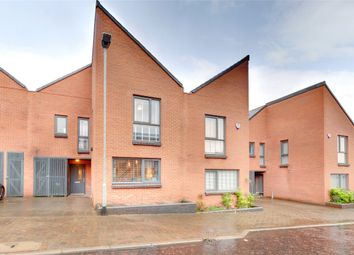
{"x":163,"y":145}
{"x":300,"y":146}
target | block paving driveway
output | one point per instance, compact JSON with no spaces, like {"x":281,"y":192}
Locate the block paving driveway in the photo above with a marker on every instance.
{"x":60,"y":224}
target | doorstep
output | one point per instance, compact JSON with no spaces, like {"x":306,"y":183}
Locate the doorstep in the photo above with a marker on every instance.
{"x":188,"y":207}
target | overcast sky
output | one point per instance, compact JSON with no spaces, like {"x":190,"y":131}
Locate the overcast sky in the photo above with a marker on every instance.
{"x":293,"y":44}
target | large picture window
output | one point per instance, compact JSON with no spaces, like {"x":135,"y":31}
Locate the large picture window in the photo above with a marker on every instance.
{"x":214,"y":136}
{"x":339,"y":181}
{"x":136,"y":171}
{"x":342,"y":146}
{"x":83,"y":135}
{"x":146,"y":126}
{"x":220,"y":181}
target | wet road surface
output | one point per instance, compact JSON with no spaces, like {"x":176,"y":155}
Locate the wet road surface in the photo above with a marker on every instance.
{"x":338,"y":240}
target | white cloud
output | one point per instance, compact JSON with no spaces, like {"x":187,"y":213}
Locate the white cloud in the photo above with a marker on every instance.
{"x":312,"y":30}
{"x":267,"y":84}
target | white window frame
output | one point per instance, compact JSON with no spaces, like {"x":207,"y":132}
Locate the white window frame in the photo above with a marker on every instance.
{"x":283,"y":154}
{"x":252,"y":148}
{"x":60,"y":134}
{"x":79,"y":136}
{"x":262,"y":156}
{"x":340,"y":180}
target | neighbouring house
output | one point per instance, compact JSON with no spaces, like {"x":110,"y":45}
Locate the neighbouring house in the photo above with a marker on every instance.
{"x":301,"y":145}
{"x":163,"y":145}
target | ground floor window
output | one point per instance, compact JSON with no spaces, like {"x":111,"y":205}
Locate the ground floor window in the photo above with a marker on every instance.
{"x":221,"y":180}
{"x":132,"y":171}
{"x":339,"y":181}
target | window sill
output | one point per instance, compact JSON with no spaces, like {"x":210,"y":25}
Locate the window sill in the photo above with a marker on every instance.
{"x":147,"y":143}
{"x":217,"y":193}
{"x":252,"y":156}
{"x":61,"y":136}
{"x":263,"y":166}
{"x":343,"y":165}
{"x":135,"y":186}
{"x":215,"y":156}
{"x":83,"y":152}
{"x":284,"y":166}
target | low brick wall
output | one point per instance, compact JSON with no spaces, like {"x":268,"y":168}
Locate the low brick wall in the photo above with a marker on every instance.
{"x":151,"y":209}
{"x":340,"y":206}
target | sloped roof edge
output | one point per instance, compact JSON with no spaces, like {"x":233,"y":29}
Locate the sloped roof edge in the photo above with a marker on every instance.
{"x":13,"y":78}
{"x":255,"y":111}
{"x":99,"y":5}
{"x":63,"y":77}
{"x":245,"y":59}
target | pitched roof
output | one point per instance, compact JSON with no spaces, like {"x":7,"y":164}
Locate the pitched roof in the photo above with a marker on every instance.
{"x":255,"y":111}
{"x":245,"y":59}
{"x":63,"y":77}
{"x":13,"y":78}
{"x":99,"y":5}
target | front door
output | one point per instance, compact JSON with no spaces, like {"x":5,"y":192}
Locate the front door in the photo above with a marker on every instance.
{"x":259,"y":183}
{"x":77,"y":178}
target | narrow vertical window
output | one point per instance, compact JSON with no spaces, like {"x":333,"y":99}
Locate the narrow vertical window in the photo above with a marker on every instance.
{"x":146,"y":125}
{"x":214,"y":136}
{"x":262,"y":154}
{"x":251,"y":149}
{"x":284,"y":152}
{"x":342,"y":145}
{"x":60,"y":126}
{"x":83,"y":135}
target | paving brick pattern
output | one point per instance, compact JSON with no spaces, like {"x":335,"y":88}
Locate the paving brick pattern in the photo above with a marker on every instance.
{"x":62,"y":223}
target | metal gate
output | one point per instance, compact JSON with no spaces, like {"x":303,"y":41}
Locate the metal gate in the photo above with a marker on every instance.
{"x":14,"y":174}
{"x":1,"y":167}
{"x":50,"y":176}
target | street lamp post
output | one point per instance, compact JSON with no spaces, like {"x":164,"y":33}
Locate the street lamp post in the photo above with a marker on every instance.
{"x":106,"y":41}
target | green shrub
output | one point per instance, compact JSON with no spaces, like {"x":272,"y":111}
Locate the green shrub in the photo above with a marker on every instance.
{"x":341,"y":196}
{"x":226,"y":200}
{"x":215,"y":208}
{"x":242,"y":201}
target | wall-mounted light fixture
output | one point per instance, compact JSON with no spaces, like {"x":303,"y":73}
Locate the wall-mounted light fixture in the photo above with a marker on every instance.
{"x":238,"y":125}
{"x":329,"y":135}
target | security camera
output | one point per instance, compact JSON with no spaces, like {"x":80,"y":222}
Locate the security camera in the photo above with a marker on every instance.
{"x":106,"y":40}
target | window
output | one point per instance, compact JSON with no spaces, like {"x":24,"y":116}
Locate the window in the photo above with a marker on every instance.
{"x":284,"y":152}
{"x":214,"y":135}
{"x":339,"y":181}
{"x":262,"y":154}
{"x":251,"y":148}
{"x":136,"y":171}
{"x":220,"y":181}
{"x":60,"y":124}
{"x":83,"y":135}
{"x":342,"y":149}
{"x":146,"y":126}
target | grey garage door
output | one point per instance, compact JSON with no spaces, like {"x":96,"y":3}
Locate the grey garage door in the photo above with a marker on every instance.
{"x":50,"y":177}
{"x":14,"y":174}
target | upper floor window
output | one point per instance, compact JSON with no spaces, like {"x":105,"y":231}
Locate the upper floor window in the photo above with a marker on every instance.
{"x":61,"y":126}
{"x":342,"y":149}
{"x":214,"y":136}
{"x":251,"y":148}
{"x":136,"y":171}
{"x":83,"y":135}
{"x":146,"y":126}
{"x":284,"y":152}
{"x":339,"y":181}
{"x":262,"y":154}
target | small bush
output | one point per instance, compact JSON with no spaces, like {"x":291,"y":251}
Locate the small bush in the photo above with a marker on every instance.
{"x":215,"y":208}
{"x":226,"y":200}
{"x":341,"y":196}
{"x":200,"y":204}
{"x":243,"y":201}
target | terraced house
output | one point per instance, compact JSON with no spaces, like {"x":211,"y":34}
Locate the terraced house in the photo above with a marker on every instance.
{"x":162,"y":144}
{"x":301,"y":145}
